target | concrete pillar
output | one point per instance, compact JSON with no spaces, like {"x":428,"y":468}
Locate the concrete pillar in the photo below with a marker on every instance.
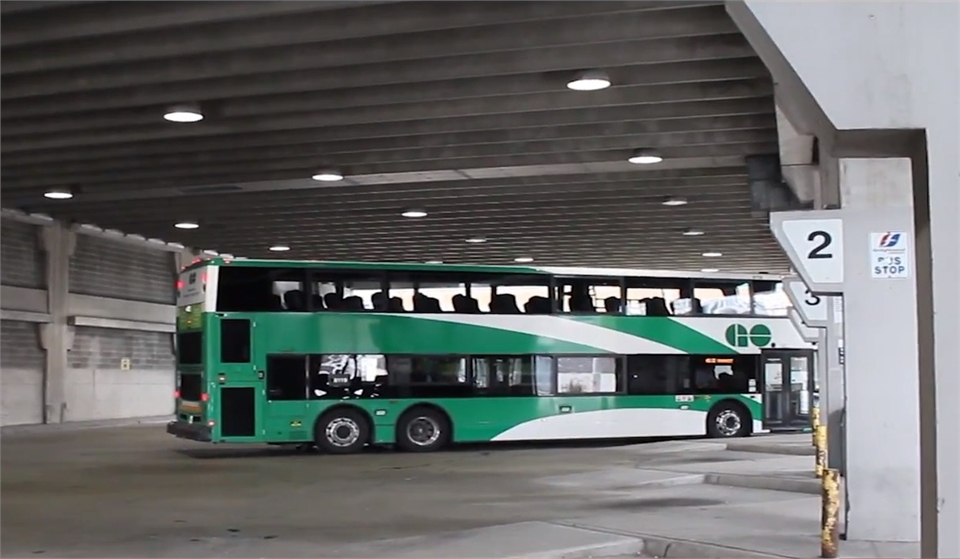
{"x":874,"y":79}
{"x":880,"y":323}
{"x":56,"y":337}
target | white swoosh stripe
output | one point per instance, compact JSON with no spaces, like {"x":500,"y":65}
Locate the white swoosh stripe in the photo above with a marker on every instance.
{"x":559,"y":328}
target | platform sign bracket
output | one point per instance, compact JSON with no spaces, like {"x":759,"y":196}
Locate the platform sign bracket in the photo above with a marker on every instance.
{"x":811,"y":307}
{"x":808,"y":333}
{"x":813,"y":241}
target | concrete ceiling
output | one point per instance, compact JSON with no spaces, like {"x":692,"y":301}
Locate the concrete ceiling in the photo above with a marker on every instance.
{"x":459,"y":108}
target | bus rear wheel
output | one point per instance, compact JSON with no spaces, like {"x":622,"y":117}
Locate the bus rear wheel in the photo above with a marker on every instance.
{"x":342,"y":431}
{"x":728,"y":420}
{"x":422,"y":430}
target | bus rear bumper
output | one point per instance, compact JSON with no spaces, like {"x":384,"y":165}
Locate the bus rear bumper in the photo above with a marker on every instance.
{"x":192,"y":431}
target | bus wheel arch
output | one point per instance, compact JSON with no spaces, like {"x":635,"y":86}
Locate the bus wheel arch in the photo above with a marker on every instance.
{"x":343,"y":429}
{"x":423,"y":427}
{"x":729,"y":418}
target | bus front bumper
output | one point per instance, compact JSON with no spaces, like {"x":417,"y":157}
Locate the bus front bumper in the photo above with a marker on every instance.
{"x":193,"y":431}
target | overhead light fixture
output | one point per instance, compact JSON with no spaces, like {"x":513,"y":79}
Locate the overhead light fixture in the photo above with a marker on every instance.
{"x":434,"y":262}
{"x":645,"y":157}
{"x":523,"y":259}
{"x":476,"y":240}
{"x":279,"y":248}
{"x":692,"y":232}
{"x":58,"y":194}
{"x":709,"y":270}
{"x":414,"y":213}
{"x":328,"y":175}
{"x":590,"y":80}
{"x":186,"y":225}
{"x":713,"y":254}
{"x":673,"y":201}
{"x":183,"y":113}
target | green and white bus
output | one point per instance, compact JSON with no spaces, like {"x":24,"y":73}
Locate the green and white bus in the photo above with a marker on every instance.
{"x":346,"y":354}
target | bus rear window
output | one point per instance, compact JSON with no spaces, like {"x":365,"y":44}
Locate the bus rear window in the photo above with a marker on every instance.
{"x":190,"y":348}
{"x":190,"y":387}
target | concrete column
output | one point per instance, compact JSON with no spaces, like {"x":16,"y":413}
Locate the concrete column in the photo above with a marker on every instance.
{"x":880,"y":323}
{"x":833,"y":404}
{"x":56,"y":337}
{"x":880,"y":79}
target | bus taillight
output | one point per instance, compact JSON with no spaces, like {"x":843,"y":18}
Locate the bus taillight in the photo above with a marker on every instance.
{"x":204,"y":397}
{"x":176,"y":394}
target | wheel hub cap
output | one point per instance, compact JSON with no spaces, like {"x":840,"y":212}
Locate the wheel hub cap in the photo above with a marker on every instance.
{"x":342,"y":432}
{"x":728,"y":423}
{"x":423,"y":431}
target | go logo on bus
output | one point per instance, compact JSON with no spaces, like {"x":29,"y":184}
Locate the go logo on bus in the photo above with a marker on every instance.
{"x":759,"y":335}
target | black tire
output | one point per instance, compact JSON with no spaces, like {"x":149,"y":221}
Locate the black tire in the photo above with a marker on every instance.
{"x":342,"y":431}
{"x":422,"y":430}
{"x":728,"y":420}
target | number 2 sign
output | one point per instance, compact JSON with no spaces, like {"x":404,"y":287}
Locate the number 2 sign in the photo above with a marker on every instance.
{"x":813,"y":240}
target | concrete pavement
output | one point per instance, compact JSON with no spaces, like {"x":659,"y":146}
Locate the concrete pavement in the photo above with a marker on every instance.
{"x":134,"y":492}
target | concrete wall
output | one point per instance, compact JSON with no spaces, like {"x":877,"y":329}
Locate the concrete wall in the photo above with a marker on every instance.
{"x":21,"y":373}
{"x":98,"y":388}
{"x":108,"y":268}
{"x":117,"y":312}
{"x":21,"y":357}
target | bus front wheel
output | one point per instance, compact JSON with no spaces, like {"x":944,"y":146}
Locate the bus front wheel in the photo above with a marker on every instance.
{"x":728,"y":420}
{"x":342,"y":431}
{"x":422,"y":430}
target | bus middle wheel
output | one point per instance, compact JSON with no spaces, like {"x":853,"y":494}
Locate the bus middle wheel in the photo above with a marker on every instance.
{"x":342,"y":431}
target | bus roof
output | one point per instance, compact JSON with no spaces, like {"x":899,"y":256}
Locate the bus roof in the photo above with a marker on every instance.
{"x":477,"y":268}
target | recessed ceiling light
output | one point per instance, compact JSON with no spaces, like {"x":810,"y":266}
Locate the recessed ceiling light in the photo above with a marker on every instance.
{"x":476,"y":240}
{"x":414,"y":213}
{"x":328,"y":175}
{"x":186,"y":225}
{"x":709,"y":270}
{"x":434,"y":262}
{"x":279,"y":248}
{"x":58,"y":194}
{"x":675,"y":202}
{"x":713,"y":254}
{"x":692,"y":232}
{"x":183,"y":113}
{"x":591,"y":80}
{"x":523,"y":259}
{"x":645,"y":157}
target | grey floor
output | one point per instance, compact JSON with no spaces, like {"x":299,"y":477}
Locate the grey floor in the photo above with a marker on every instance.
{"x":137,"y":492}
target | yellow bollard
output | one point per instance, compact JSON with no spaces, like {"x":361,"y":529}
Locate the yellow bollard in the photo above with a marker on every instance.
{"x":821,"y":447}
{"x":830,"y":513}
{"x":814,"y":423}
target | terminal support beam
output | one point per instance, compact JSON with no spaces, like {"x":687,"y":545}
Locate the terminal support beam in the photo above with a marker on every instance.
{"x":56,"y":335}
{"x":892,"y":93}
{"x":832,"y":405}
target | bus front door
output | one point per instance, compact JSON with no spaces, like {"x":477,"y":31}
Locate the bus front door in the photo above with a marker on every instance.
{"x":786,"y":377}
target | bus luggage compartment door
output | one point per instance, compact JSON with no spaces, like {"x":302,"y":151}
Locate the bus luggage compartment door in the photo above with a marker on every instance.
{"x":238,"y":412}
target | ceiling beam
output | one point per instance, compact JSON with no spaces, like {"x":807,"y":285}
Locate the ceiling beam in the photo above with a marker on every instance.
{"x":437,"y":78}
{"x":375,"y":165}
{"x":428,"y":158}
{"x":463,"y":52}
{"x":373,"y":209}
{"x":339,"y":106}
{"x":352,"y":140}
{"x":307,"y":130}
{"x":324,"y":22}
{"x":75,"y":20}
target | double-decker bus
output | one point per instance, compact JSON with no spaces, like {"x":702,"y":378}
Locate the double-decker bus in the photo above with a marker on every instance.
{"x":346,"y":354}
